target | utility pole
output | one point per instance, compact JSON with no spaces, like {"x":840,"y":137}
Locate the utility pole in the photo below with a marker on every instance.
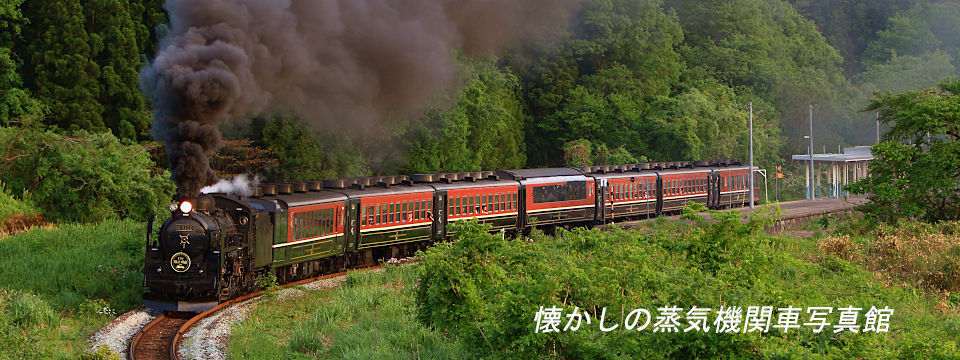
{"x":810,"y":196}
{"x":750,"y":177}
{"x":878,"y":126}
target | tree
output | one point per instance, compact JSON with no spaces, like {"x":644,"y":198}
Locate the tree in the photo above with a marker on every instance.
{"x":113,"y":41}
{"x":850,"y":25}
{"x":16,"y":103}
{"x":483,"y":130}
{"x":82,"y":176}
{"x":61,"y":67}
{"x":916,"y":172}
{"x":925,"y":28}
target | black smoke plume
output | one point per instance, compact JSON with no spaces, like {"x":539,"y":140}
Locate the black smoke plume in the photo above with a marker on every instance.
{"x":332,"y":62}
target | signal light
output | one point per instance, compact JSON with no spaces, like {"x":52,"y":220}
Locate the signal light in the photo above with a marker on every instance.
{"x":186,"y":207}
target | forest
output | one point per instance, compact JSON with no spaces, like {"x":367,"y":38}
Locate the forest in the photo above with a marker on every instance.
{"x":622,"y":81}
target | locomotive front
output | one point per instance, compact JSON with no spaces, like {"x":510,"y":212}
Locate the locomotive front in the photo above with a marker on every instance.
{"x":182,"y":267}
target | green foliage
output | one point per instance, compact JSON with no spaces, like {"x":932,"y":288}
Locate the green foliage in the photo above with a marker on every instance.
{"x":582,"y":153}
{"x":917,"y":166}
{"x":370,"y":315}
{"x":102,"y":352}
{"x":267,"y":281}
{"x":905,"y":73}
{"x":60,"y":285}
{"x":72,"y":263}
{"x":30,"y":312}
{"x":302,"y":154}
{"x":16,"y":104}
{"x":485,"y":290}
{"x":483,"y":130}
{"x":113,"y":39}
{"x":82,"y":177}
{"x":851,"y":25}
{"x":61,"y":68}
{"x":10,"y":206}
{"x":924,"y":28}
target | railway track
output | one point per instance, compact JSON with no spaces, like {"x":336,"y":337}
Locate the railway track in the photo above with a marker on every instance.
{"x":160,"y":339}
{"x":153,"y":340}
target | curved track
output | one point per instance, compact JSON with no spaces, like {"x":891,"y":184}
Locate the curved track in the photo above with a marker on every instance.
{"x":160,"y":339}
{"x":153,"y":340}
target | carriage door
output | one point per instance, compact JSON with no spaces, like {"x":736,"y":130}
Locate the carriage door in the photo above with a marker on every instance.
{"x":659,"y":194}
{"x":602,"y":197}
{"x":710,"y":195}
{"x":439,"y":227}
{"x":717,"y":186}
{"x":352,"y":225}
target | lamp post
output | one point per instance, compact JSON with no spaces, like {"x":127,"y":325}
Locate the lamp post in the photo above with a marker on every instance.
{"x":750,"y":177}
{"x":811,"y":191}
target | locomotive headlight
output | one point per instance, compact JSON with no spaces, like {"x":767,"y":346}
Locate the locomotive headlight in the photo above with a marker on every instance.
{"x":186,"y":207}
{"x":173,"y":206}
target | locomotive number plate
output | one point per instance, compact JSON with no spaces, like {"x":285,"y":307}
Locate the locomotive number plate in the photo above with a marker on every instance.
{"x":184,"y":227}
{"x":180,"y":262}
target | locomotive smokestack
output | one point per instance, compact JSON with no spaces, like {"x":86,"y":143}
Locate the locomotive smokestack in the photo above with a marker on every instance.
{"x":226,"y":60}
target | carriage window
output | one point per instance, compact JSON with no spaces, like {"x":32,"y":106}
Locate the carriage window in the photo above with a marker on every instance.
{"x":503,"y":202}
{"x":323,"y":217}
{"x":463,"y":207}
{"x":327,"y":222}
{"x":573,"y":190}
{"x":391,"y":217}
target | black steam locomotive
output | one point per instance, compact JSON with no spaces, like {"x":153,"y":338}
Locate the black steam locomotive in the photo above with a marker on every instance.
{"x":215,"y":247}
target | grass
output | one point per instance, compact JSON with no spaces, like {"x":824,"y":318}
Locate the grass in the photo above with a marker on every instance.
{"x":59,"y":285}
{"x":371,"y":315}
{"x":489,"y":310}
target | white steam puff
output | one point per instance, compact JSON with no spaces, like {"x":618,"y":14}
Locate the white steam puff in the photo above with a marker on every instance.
{"x":240,"y":185}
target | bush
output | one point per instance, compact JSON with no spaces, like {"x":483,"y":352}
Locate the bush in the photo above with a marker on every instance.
{"x":485,"y":291}
{"x":10,"y":206}
{"x":29,"y":312}
{"x":82,"y":177}
{"x":100,"y":353}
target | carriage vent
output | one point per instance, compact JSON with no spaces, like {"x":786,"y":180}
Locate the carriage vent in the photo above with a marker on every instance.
{"x":314,"y":185}
{"x":470,"y":176}
{"x":268,"y":190}
{"x":364,"y":182}
{"x":299,"y":187}
{"x":285,"y":188}
{"x":605,"y":169}
{"x":256,"y":192}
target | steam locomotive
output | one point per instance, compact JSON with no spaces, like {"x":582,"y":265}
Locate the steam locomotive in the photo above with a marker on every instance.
{"x":215,"y":247}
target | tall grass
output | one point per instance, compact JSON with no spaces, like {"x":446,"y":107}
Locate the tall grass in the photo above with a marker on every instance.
{"x":485,"y":291}
{"x":476,"y":298}
{"x":911,"y":254}
{"x":370,"y":316}
{"x":59,"y":285}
